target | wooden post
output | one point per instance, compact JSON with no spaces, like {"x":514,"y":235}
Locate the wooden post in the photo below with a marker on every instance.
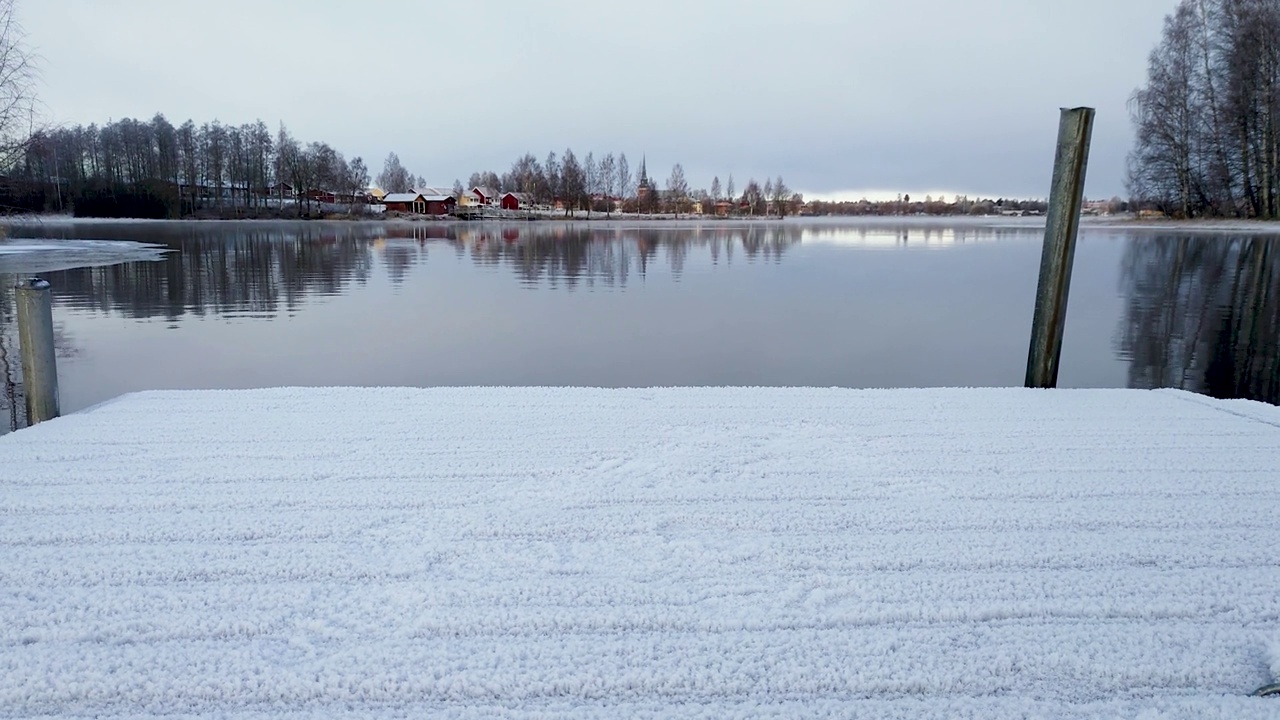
{"x":1075,"y":131}
{"x":35,"y":336}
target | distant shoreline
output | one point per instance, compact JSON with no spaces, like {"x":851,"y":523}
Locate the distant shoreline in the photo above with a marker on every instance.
{"x":1088,"y":223}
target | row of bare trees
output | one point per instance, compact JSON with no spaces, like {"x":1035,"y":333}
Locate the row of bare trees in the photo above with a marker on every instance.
{"x":1208,"y":119}
{"x":598,"y":184}
{"x":566,"y":178}
{"x":154,"y":168}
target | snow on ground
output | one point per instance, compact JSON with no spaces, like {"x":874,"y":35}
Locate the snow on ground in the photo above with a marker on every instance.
{"x":711,"y":553}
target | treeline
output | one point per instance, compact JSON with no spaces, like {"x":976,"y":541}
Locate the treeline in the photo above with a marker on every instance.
{"x":608,"y":183}
{"x":961,"y":205}
{"x":154,"y":169}
{"x":1208,"y":119}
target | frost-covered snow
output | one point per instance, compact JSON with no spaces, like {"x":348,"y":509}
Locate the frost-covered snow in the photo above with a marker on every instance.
{"x":717,"y":553}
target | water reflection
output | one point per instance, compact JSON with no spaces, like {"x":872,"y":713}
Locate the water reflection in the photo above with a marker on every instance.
{"x":792,"y":303}
{"x":916,"y":234}
{"x":1203,"y":314}
{"x":254,"y":272}
{"x":263,"y":270}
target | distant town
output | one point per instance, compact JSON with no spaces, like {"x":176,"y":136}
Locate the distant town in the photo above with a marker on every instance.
{"x":153,"y":169}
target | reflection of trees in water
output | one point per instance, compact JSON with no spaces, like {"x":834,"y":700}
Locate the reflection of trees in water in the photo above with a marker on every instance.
{"x":610,"y":255}
{"x":260,"y":269}
{"x":1203,"y":314}
{"x":220,"y":269}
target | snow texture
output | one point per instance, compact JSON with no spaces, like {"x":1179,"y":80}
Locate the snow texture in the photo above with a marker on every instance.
{"x":688,"y":553}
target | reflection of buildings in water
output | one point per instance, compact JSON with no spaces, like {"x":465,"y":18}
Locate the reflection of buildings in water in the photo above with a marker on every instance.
{"x":1203,"y":314}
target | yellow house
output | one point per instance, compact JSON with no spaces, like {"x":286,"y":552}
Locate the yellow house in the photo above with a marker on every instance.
{"x":376,"y":193}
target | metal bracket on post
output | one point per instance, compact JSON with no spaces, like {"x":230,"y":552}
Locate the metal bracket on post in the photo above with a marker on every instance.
{"x":39,"y":363}
{"x":1075,"y":132}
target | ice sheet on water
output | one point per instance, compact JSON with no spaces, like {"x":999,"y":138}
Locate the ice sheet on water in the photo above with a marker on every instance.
{"x":27,"y":255}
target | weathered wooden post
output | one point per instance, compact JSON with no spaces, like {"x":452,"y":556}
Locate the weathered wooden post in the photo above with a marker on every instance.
{"x":1075,"y":130}
{"x":35,"y":336}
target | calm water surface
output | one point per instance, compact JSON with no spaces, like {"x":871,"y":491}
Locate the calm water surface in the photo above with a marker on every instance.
{"x":852,"y":304}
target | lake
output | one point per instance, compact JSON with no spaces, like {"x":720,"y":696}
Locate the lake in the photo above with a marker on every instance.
{"x":853,"y":303}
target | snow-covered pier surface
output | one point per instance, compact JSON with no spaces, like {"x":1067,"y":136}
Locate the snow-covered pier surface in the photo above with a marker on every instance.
{"x":718,"y":553}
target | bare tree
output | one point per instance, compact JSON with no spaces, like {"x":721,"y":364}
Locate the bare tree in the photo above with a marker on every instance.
{"x":573,"y":181}
{"x":608,"y":181}
{"x":780,"y":196}
{"x":591,"y":180}
{"x":1207,"y":121}
{"x":677,"y":189}
{"x":715,"y":188}
{"x":394,"y":178}
{"x":626,"y":183}
{"x":552,"y":187}
{"x":17,"y":89}
{"x":754,"y":197}
{"x":215,"y":145}
{"x":729,"y":191}
{"x":357,"y":178}
{"x":287,"y":152}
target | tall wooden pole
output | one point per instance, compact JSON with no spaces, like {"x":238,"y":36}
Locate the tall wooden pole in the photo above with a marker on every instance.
{"x":1065,"y":198}
{"x":39,"y":364}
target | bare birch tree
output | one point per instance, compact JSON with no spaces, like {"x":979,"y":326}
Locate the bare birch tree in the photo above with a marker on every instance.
{"x":1207,"y":121}
{"x":17,"y":88}
{"x":626,"y":182}
{"x":678,"y":189}
{"x":608,"y":181}
{"x":394,"y":178}
{"x":781,"y":196}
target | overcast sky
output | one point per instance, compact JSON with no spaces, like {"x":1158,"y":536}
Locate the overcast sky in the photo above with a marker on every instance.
{"x":840,"y":97}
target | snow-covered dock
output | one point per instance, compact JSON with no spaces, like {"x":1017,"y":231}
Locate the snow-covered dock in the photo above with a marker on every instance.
{"x":495,"y":553}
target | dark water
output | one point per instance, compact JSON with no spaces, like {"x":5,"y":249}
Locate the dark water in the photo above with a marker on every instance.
{"x":863,"y":304}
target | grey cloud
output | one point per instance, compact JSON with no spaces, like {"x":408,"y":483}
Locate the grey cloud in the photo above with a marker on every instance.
{"x":833,"y":95}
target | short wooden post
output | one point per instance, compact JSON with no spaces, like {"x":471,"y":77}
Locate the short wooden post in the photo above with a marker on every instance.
{"x":35,"y":336}
{"x":1075,"y":131}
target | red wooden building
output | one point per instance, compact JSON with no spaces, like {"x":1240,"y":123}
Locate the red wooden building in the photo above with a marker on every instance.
{"x":484,"y":195}
{"x":440,"y":204}
{"x":420,"y":204}
{"x":516,"y":201}
{"x":405,"y":203}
